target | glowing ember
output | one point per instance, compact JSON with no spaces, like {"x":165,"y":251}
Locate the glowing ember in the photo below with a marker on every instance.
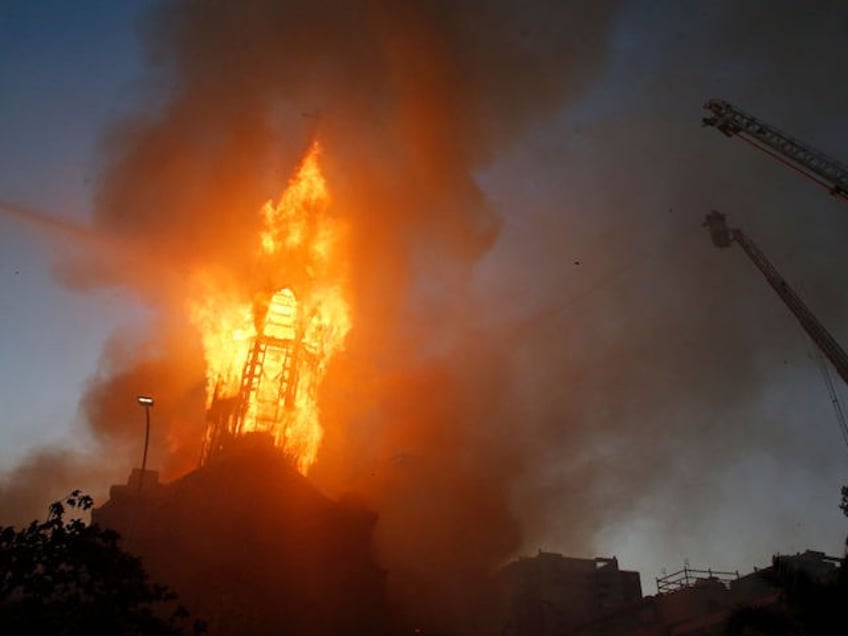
{"x":267,"y":346}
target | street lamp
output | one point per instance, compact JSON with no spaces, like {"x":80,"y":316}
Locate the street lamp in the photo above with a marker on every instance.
{"x":146,"y":402}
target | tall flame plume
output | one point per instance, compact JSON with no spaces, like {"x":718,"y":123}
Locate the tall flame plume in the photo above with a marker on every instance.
{"x":268,"y":341}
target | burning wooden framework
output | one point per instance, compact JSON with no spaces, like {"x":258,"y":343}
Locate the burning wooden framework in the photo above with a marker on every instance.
{"x":278,"y":368}
{"x":267,"y":345}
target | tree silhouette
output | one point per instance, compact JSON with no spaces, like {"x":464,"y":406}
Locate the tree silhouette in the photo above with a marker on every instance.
{"x":69,"y":577}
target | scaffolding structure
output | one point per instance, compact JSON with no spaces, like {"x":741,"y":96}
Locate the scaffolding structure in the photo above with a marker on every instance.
{"x":269,"y":381}
{"x":690,"y":577}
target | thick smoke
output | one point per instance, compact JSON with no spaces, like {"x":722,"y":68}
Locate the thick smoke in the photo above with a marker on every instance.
{"x":587,"y":365}
{"x":45,"y":476}
{"x":669,"y":392}
{"x":409,"y":100}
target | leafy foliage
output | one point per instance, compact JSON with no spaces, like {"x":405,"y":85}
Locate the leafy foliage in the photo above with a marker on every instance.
{"x":69,"y":577}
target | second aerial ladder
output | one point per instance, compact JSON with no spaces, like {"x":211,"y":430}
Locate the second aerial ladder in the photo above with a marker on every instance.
{"x":724,"y":236}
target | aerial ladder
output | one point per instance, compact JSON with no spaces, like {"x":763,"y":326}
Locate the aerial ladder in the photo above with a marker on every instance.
{"x":724,"y":236}
{"x":813,"y":164}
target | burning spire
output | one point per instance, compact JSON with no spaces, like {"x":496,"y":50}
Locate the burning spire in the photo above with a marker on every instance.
{"x":267,"y":343}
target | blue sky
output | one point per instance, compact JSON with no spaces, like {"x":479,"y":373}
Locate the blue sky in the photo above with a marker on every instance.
{"x":64,"y":72}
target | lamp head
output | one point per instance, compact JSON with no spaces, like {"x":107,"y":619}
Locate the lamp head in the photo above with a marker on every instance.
{"x":145,"y":400}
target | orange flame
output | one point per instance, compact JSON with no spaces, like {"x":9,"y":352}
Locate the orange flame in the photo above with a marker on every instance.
{"x":267,"y":347}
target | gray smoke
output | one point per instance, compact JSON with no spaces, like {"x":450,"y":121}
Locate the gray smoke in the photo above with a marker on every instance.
{"x":410,"y":100}
{"x":679,"y":414}
{"x":547,"y":350}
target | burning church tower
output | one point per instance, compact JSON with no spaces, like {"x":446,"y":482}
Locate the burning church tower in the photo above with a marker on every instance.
{"x":267,"y":348}
{"x":270,"y":382}
{"x":269,"y":329}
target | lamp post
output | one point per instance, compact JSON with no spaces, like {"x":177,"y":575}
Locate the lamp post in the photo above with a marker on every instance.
{"x":145,"y":401}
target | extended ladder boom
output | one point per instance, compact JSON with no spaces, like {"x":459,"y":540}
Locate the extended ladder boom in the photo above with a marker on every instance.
{"x":724,"y":236}
{"x":815,"y":165}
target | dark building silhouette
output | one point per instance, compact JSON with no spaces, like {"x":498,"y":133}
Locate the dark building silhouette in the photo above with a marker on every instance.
{"x":252,"y":547}
{"x":700,"y":602}
{"x":550,"y":594}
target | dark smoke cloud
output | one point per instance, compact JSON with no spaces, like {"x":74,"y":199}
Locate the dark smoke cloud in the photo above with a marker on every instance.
{"x":45,"y":476}
{"x":666,"y":378}
{"x":169,"y":362}
{"x":585,"y":363}
{"x":410,"y":100}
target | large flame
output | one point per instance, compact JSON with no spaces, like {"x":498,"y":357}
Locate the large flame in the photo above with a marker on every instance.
{"x":268,"y":341}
